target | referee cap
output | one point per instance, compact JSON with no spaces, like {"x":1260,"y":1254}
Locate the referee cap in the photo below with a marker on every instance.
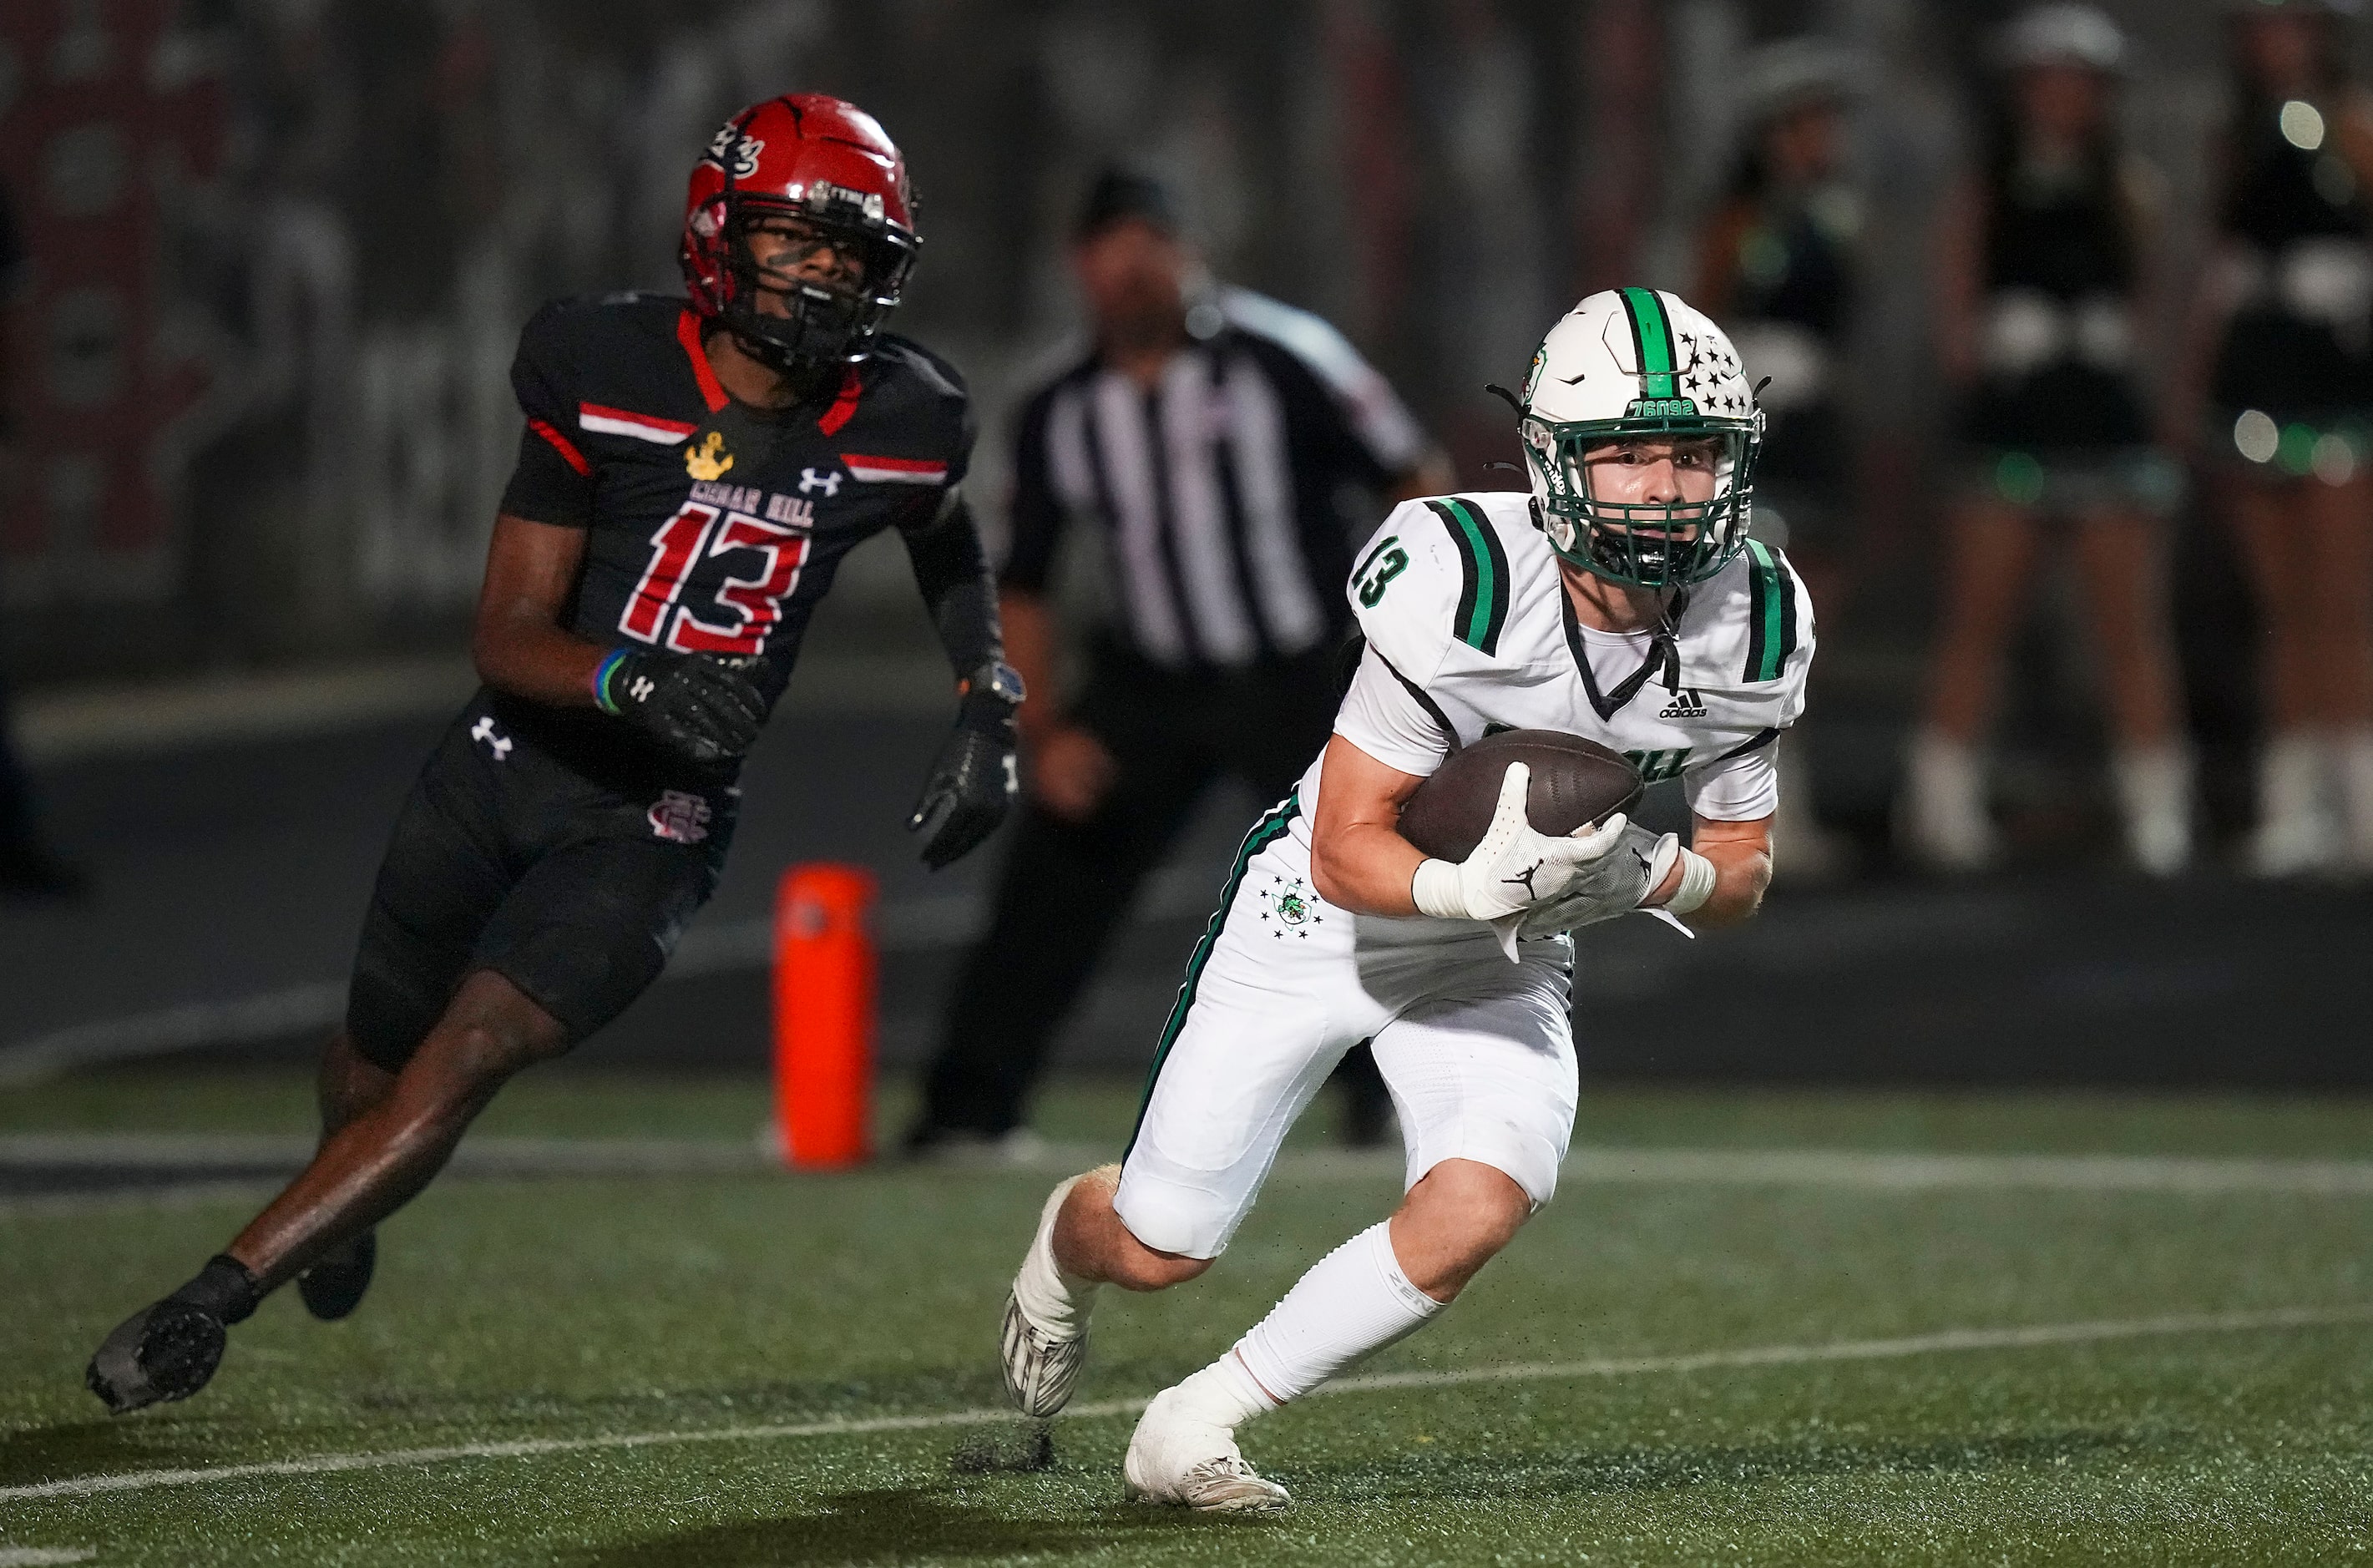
{"x":1121,"y":194}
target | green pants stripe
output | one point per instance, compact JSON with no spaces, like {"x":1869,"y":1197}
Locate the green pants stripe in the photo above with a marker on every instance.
{"x":1266,"y":832}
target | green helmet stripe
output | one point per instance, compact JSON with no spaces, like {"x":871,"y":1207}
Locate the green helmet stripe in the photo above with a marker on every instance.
{"x":1483,"y":576}
{"x":1651,"y":338}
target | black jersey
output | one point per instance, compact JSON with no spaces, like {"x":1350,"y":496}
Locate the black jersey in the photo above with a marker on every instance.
{"x":2060,"y":277}
{"x":1795,"y":264}
{"x":713,"y":527}
{"x":2301,"y":340}
{"x":1791,"y":285}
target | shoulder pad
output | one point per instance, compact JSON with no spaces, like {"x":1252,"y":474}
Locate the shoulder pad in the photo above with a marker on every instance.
{"x":1765,"y":621}
{"x":1435,"y":577}
{"x":917,"y":400}
{"x":937,"y":375}
{"x":592,"y":317}
{"x":602,"y":348}
{"x":1779,"y":616}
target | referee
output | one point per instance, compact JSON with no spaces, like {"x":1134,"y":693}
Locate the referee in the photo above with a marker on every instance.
{"x":1202,"y":445}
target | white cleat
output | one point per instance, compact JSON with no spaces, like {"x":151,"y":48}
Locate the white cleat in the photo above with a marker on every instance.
{"x":1041,"y":1369}
{"x":1042,"y":1358}
{"x":1177,"y":1459}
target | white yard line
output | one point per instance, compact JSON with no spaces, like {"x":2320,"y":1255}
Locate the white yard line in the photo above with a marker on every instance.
{"x":43,"y":1556}
{"x":1945,"y":1341}
{"x":203,"y":1168}
{"x":1882,"y":1170}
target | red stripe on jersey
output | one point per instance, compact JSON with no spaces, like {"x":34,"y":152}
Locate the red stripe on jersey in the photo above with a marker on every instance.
{"x":560,"y":444}
{"x":625,"y":422}
{"x":844,"y":406}
{"x":895,"y":470}
{"x":687,"y":332}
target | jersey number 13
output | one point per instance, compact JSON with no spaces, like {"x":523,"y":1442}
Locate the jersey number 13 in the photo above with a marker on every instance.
{"x":750,"y":605}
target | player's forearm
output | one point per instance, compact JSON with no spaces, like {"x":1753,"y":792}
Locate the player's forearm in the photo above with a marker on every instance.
{"x":518,"y":640}
{"x":1741,"y":870}
{"x":951,"y":572}
{"x":1366,"y":868}
{"x":534,"y":659}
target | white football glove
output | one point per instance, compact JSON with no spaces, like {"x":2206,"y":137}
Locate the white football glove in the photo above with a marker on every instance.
{"x":1515,"y":868}
{"x":1611,"y":887}
{"x":1616,"y":886}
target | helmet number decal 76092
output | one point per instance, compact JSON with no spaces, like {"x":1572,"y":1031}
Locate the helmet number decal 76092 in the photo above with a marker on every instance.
{"x":753,"y":604}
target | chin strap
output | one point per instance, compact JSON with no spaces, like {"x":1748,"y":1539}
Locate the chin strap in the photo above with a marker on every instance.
{"x":1667,"y":640}
{"x":1664,"y":655}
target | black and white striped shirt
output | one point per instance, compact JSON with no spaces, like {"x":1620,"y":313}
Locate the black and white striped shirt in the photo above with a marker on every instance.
{"x":1216,"y":491}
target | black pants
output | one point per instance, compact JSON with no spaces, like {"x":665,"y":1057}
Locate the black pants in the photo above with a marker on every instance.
{"x":1067,"y":886}
{"x":506,"y":857}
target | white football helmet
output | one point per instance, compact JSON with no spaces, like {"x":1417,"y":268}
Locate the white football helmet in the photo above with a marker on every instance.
{"x":1629,"y":364}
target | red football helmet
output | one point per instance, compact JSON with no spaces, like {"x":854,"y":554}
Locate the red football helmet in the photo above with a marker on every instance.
{"x":830,"y":165}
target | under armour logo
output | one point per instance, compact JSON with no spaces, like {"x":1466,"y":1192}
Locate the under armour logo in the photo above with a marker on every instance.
{"x":829,"y":483}
{"x":641,"y":687}
{"x":498,"y":742}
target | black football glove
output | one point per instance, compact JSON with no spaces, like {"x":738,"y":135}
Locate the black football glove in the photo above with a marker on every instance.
{"x":972,"y":782}
{"x":703,"y":708}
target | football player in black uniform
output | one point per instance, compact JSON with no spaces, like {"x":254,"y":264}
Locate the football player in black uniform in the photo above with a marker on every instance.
{"x":691,"y":476}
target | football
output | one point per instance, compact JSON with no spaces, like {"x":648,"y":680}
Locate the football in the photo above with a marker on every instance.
{"x":1574,"y":781}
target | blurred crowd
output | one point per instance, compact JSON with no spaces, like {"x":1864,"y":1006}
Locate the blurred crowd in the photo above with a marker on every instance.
{"x":2070,"y":437}
{"x":2066,"y":313}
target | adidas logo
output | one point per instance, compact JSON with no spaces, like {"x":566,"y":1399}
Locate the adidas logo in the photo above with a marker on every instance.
{"x":1686,"y":704}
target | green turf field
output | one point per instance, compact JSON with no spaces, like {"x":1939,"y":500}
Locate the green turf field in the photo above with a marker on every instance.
{"x":1731,"y":1340}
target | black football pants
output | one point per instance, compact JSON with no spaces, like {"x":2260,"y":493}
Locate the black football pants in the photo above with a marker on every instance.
{"x":1067,"y":887}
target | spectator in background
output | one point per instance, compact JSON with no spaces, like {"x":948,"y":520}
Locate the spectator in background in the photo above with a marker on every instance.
{"x":2042,"y":294}
{"x":1201,"y":444}
{"x":28,"y":868}
{"x":1776,"y":268}
{"x":2283,"y":352}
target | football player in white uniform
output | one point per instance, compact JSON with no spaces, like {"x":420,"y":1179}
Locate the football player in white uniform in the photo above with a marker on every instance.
{"x":1621,"y":601}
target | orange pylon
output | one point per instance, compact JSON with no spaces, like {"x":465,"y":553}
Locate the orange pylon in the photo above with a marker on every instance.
{"x":825,"y":976}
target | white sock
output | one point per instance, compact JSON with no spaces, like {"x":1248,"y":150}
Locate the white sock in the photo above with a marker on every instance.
{"x":1943,"y":808}
{"x":2351,"y":758}
{"x":1055,"y":1299}
{"x":1223,"y":1394}
{"x":1355,"y":1302}
{"x":2294,"y":831}
{"x":2153,"y":790}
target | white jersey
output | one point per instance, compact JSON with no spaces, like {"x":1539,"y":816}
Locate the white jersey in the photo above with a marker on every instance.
{"x":1470,"y":632}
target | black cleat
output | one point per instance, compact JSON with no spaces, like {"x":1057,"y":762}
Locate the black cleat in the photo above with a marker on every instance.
{"x":334,"y":1286}
{"x":161,"y":1352}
